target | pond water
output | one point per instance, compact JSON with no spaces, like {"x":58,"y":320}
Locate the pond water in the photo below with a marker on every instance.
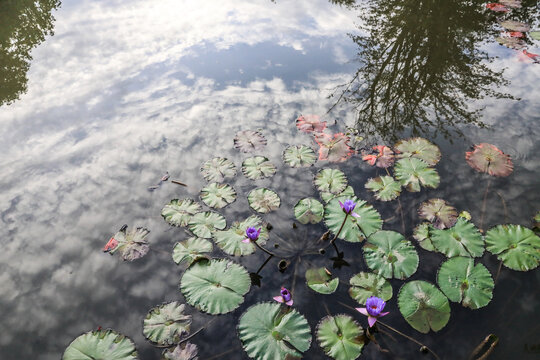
{"x":127,"y":90}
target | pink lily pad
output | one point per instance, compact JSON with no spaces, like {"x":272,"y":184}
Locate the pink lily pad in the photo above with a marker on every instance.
{"x":310,"y":123}
{"x":497,"y":7}
{"x":438,"y":212}
{"x":333,"y":148}
{"x":383,"y":157}
{"x":489,"y":159}
{"x":249,"y":141}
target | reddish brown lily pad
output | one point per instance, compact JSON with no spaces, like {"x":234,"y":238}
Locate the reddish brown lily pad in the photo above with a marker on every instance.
{"x":333,"y":148}
{"x":249,"y":141}
{"x":310,"y":123}
{"x":513,"y":25}
{"x":382,"y":157}
{"x":439,"y":213}
{"x":489,"y":159}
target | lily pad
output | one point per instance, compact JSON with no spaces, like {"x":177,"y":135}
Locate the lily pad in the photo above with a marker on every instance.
{"x":489,"y":159}
{"x":187,"y":351}
{"x":326,"y":196}
{"x":384,"y":187}
{"x":272,"y":331}
{"x":330,"y":180}
{"x":218,"y":169}
{"x":535,"y":35}
{"x":511,"y":42}
{"x":203,"y":224}
{"x":333,"y":148}
{"x":179,"y":212}
{"x":383,"y":157}
{"x":513,"y":25}
{"x":412,"y":173}
{"x":462,"y":281}
{"x":101,"y":344}
{"x":191,"y":250}
{"x":263,"y":200}
{"x":365,"y":284}
{"x":310,"y":124}
{"x":463,"y":239}
{"x":355,"y":229}
{"x":423,"y":306}
{"x":215,"y":286}
{"x":299,"y":156}
{"x":166,"y":324}
{"x":514,"y":4}
{"x":309,"y":210}
{"x":418,"y":148}
{"x":439,"y":213}
{"x":517,"y":246}
{"x":341,"y":337}
{"x":249,"y":141}
{"x":422,"y":234}
{"x":258,"y":167}
{"x":230,"y":241}
{"x":390,"y":255}
{"x":218,"y":195}
{"x":130,"y":244}
{"x":320,"y":280}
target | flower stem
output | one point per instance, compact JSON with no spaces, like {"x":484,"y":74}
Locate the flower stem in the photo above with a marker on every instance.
{"x":263,"y":249}
{"x":340,"y":228}
{"x":408,"y":337}
{"x":484,"y":205}
{"x":264,"y":263}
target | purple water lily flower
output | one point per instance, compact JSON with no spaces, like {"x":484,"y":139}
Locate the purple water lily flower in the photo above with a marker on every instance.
{"x":373,"y":309}
{"x":252,"y":234}
{"x":285,"y":297}
{"x":348,"y":207}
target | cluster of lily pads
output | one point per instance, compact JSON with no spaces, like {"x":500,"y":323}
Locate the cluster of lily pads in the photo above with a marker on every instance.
{"x":275,"y":329}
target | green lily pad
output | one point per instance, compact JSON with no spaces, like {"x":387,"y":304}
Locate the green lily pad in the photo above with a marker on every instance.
{"x":187,"y":351}
{"x":249,"y":141}
{"x":462,"y":281}
{"x":340,"y":337}
{"x":412,"y":173}
{"x":513,"y":25}
{"x":390,"y":255}
{"x":130,"y":244}
{"x":230,"y":241}
{"x":418,"y":148}
{"x":218,"y":195}
{"x":203,"y":224}
{"x":330,"y":180}
{"x":166,"y":324}
{"x":320,"y":280}
{"x":191,"y":250}
{"x":517,"y":246}
{"x":215,"y":286}
{"x":272,"y":331}
{"x":179,"y":212}
{"x":535,"y":35}
{"x":489,"y":159}
{"x":309,"y":210}
{"x":263,"y":200}
{"x":422,"y":234}
{"x":258,"y":167}
{"x":355,"y":229}
{"x":511,"y":42}
{"x":423,"y":306}
{"x":101,"y":344}
{"x":439,"y":213}
{"x":218,"y":169}
{"x":384,"y":187}
{"x":365,"y":284}
{"x":327,"y":196}
{"x":463,"y":239}
{"x":299,"y":156}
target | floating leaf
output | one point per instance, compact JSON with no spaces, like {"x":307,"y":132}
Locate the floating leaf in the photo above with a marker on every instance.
{"x":218,"y":169}
{"x":299,"y":156}
{"x":330,"y":180}
{"x":181,"y":352}
{"x":272,"y":331}
{"x":310,"y":123}
{"x":535,"y":35}
{"x":365,"y":284}
{"x":179,"y":212}
{"x":191,"y":250}
{"x":340,"y":337}
{"x":309,"y":210}
{"x":418,"y":148}
{"x":462,"y":281}
{"x":258,"y":167}
{"x":333,"y":148}
{"x":423,"y":306}
{"x":130,"y":244}
{"x":230,"y":241}
{"x":383,"y":157}
{"x":511,"y":42}
{"x":463,"y":239}
{"x":215,"y":286}
{"x":384,"y":187}
{"x":517,"y":246}
{"x":218,"y":195}
{"x":489,"y":159}
{"x":515,"y":4}
{"x":101,"y":344}
{"x":497,"y":7}
{"x":422,"y":234}
{"x":390,"y":255}
{"x":412,"y":173}
{"x":249,"y":141}
{"x":263,"y":200}
{"x":513,"y":25}
{"x":355,"y":229}
{"x":439,"y":213}
{"x":203,"y":224}
{"x":320,"y":280}
{"x":326,"y":196}
{"x":166,"y":324}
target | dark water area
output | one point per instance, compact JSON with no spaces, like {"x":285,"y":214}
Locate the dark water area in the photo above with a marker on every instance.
{"x":98,"y":99}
